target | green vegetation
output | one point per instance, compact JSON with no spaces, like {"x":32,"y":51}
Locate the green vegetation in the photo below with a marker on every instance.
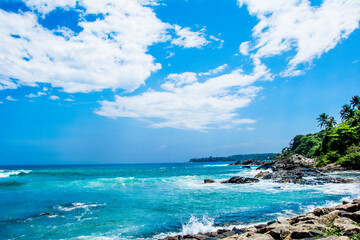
{"x":332,"y":231}
{"x":234,"y":158}
{"x":336,"y":143}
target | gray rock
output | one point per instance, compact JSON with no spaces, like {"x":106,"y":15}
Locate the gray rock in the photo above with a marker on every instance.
{"x":240,"y":180}
{"x":305,"y":234}
{"x":262,"y":174}
{"x":347,"y":226}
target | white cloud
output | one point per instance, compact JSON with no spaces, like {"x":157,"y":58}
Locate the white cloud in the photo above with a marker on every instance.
{"x":1,"y":102}
{"x":178,"y":80}
{"x":69,"y":100}
{"x":195,"y":105}
{"x":188,"y":38}
{"x":38,"y":94}
{"x":54,"y":97}
{"x":214,"y":71}
{"x":9,"y":98}
{"x":286,"y":25}
{"x":110,"y":52}
{"x":244,"y":48}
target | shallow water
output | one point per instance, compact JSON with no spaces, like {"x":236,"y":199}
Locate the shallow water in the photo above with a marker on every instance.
{"x":146,"y":201}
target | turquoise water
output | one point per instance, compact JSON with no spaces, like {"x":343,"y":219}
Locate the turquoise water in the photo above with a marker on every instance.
{"x":146,"y":201}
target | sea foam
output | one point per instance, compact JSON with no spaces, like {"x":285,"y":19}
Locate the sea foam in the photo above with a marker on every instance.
{"x":9,"y":173}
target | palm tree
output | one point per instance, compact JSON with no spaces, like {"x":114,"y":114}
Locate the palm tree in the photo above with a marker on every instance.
{"x":346,"y":112}
{"x":330,"y":122}
{"x":322,"y":120}
{"x":355,"y":102}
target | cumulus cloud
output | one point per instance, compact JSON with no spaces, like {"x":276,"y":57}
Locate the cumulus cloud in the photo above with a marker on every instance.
{"x":214,"y":71}
{"x":54,"y":97}
{"x":189,"y":39}
{"x":192,"y":104}
{"x":286,"y":25}
{"x":38,"y":94}
{"x":108,"y":53}
{"x":9,"y":98}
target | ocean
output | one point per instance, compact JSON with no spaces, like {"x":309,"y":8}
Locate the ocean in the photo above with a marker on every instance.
{"x":147,"y":201}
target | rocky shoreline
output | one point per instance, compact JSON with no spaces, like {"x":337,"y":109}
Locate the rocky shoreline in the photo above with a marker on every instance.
{"x":339,"y":222}
{"x":295,"y":169}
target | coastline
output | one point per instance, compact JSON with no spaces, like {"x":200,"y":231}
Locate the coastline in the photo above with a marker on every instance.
{"x":340,"y":221}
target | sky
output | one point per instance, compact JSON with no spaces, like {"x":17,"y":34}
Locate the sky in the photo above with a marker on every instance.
{"x":142,"y":81}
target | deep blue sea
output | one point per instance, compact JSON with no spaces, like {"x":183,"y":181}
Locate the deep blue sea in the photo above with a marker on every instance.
{"x":146,"y":201}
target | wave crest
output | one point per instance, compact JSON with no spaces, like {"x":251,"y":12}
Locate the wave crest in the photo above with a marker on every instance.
{"x":11,"y":173}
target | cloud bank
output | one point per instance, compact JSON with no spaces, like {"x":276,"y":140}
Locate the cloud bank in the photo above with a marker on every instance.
{"x":310,"y":31}
{"x":110,"y":52}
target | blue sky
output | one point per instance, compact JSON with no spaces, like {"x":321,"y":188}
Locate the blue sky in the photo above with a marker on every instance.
{"x":165,"y":81}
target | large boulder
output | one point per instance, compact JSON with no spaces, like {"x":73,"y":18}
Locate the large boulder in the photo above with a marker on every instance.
{"x":347,"y":226}
{"x":240,"y":180}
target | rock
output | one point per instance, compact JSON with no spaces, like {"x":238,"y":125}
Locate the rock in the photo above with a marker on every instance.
{"x":283,"y":221}
{"x":290,"y":163}
{"x":245,"y":167}
{"x":250,"y":162}
{"x":208,"y":181}
{"x":256,"y":236}
{"x":262,"y":174}
{"x":353,"y":216}
{"x":329,"y":218}
{"x":304,"y":218}
{"x":349,"y":207}
{"x":322,"y":211}
{"x":171,"y":238}
{"x":240,"y":180}
{"x":346,"y":226}
{"x":305,"y":234}
{"x":45,"y":214}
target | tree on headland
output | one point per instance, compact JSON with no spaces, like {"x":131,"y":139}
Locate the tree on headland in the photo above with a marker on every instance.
{"x":338,"y":143}
{"x":346,"y":112}
{"x":322,"y":119}
{"x":355,"y":102}
{"x":330,"y":123}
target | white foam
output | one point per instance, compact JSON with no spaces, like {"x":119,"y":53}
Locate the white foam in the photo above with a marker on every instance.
{"x":8,"y":173}
{"x":216,"y":165}
{"x":74,"y":206}
{"x":201,"y":225}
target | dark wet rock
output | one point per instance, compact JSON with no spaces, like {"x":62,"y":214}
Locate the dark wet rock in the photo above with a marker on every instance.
{"x":245,"y":167}
{"x":250,"y":162}
{"x":240,"y":180}
{"x":305,"y":234}
{"x":45,"y":214}
{"x":209,"y":181}
{"x":262,"y":174}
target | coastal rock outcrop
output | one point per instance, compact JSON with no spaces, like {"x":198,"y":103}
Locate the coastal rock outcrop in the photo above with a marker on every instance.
{"x":299,"y":170}
{"x":240,"y":180}
{"x":295,"y":161}
{"x":249,"y":162}
{"x":335,"y":223}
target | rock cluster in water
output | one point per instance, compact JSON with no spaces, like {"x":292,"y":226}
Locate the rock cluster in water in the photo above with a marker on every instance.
{"x":339,"y":222}
{"x":299,"y":170}
{"x":249,"y":162}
